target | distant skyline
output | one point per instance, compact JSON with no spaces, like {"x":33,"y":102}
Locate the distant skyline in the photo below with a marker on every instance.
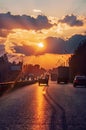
{"x":58,"y":26}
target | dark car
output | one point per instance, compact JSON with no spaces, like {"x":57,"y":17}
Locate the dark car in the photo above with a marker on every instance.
{"x":43,"y":80}
{"x":79,"y":81}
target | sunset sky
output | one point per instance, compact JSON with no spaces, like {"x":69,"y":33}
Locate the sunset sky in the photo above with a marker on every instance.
{"x":41,"y":32}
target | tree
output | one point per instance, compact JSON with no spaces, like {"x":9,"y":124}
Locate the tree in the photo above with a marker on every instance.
{"x":77,"y":62}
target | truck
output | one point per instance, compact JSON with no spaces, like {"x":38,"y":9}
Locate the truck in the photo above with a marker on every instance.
{"x":63,"y":74}
{"x":53,"y":76}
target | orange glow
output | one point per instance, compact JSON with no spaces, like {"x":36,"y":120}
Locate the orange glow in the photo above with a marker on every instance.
{"x":41,"y":45}
{"x":48,"y":60}
{"x":44,"y":92}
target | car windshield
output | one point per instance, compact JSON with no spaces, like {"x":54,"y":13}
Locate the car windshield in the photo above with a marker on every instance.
{"x":80,"y":77}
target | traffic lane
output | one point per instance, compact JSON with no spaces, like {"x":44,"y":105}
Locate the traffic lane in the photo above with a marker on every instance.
{"x":73,"y":101}
{"x":60,"y":116}
{"x":25,"y":109}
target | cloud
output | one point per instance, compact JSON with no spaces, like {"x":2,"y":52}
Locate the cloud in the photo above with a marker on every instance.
{"x":4,"y":32}
{"x":8,"y":21}
{"x":71,"y":20}
{"x":25,"y":50}
{"x":73,"y":42}
{"x":60,"y":46}
{"x":2,"y":49}
{"x":37,"y":11}
{"x":52,"y":45}
{"x":55,"y":45}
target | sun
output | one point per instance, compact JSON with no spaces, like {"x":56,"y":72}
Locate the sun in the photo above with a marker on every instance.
{"x":41,"y":45}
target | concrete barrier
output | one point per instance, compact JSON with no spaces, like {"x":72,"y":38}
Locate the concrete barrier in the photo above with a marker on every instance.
{"x":11,"y":86}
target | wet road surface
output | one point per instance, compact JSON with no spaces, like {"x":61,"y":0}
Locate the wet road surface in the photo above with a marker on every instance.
{"x":56,"y":107}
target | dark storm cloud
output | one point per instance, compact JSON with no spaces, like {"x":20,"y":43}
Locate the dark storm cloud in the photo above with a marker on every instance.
{"x":53,"y":46}
{"x":71,"y":20}
{"x":73,"y":42}
{"x":59,"y":46}
{"x":8,"y":21}
{"x":27,"y":50}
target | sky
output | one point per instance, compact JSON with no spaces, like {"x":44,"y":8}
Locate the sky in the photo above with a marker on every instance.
{"x":48,"y":7}
{"x":44,"y":32}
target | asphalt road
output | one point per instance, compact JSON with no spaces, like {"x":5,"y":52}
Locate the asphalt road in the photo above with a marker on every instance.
{"x":53,"y":107}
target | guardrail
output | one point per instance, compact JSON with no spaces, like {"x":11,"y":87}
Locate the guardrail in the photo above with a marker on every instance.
{"x":9,"y":86}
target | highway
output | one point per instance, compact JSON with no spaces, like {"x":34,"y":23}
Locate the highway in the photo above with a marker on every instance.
{"x":52,"y":107}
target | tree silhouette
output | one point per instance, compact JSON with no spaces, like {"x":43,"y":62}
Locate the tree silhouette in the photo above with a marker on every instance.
{"x":77,"y":62}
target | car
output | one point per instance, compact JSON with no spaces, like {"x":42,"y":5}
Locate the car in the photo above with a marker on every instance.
{"x":79,"y":80}
{"x":43,"y":80}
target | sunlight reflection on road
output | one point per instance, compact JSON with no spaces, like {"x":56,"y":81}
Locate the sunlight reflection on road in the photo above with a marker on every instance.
{"x":44,"y":90}
{"x":42,"y":121}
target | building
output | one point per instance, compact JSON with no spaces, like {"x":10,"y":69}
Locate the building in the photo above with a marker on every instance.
{"x":9,"y":71}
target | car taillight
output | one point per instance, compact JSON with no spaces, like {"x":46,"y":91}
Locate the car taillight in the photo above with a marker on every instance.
{"x":76,"y":80}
